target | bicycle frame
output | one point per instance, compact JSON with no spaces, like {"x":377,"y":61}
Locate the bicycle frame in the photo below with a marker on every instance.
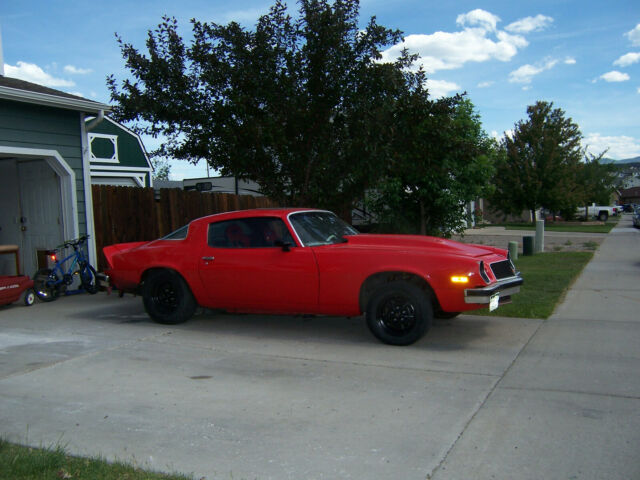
{"x":66,"y":277}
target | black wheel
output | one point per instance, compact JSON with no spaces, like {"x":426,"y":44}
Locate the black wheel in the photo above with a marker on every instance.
{"x":603,"y":216}
{"x":29,"y":297}
{"x":446,"y":315}
{"x":89,"y":280}
{"x":167,"y":298}
{"x":399,"y":313}
{"x":46,"y":285}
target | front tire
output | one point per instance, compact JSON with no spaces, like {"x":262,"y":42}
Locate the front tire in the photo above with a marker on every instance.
{"x":167,"y":298}
{"x":399,"y":313}
{"x":46,"y":285}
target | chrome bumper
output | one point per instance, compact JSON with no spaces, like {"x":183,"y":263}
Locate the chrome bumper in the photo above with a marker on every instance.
{"x":504,"y":288}
{"x":103,"y":280}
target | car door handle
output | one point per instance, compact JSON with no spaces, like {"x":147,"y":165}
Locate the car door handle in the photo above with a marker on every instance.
{"x":208,"y":259}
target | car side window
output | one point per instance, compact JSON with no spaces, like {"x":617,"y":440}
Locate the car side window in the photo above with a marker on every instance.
{"x":254,"y":232}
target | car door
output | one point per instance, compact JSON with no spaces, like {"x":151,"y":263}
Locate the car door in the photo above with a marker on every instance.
{"x":253,"y":264}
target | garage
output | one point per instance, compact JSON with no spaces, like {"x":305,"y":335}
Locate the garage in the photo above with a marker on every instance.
{"x":44,"y":170}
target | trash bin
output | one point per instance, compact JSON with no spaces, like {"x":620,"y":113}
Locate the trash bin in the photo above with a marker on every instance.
{"x":527,"y":245}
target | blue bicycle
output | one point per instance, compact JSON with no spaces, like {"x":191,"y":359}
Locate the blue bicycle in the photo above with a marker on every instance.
{"x":49,"y":283}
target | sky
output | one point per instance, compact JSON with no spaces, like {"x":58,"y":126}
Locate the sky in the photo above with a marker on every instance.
{"x":584,"y":56}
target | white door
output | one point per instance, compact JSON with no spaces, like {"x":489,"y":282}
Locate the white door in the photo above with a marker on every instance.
{"x":40,"y":210}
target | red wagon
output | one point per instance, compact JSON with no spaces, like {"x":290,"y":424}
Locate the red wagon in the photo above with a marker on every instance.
{"x":12,"y":287}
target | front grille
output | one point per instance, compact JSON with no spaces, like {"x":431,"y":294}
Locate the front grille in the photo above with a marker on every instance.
{"x":503,"y":269}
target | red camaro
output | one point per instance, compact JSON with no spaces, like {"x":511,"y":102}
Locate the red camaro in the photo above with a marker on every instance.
{"x":302,"y":261}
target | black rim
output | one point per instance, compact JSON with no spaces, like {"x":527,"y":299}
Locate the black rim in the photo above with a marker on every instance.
{"x":397,"y":314}
{"x":165,"y":297}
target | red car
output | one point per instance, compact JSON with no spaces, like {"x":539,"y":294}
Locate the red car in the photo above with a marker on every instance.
{"x":302,"y":261}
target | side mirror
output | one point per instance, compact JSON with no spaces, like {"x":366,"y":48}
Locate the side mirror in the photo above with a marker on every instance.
{"x":286,"y":246}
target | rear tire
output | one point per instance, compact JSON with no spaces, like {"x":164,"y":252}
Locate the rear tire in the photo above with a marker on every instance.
{"x":89,"y":280}
{"x":167,"y":298}
{"x":46,"y":285}
{"x":399,"y":313}
{"x":603,"y":216}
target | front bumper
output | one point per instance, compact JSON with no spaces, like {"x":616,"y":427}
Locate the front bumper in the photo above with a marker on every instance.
{"x":504,"y":288}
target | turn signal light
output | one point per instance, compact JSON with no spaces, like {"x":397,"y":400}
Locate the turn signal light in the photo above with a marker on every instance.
{"x":460,"y":279}
{"x":53,"y":257}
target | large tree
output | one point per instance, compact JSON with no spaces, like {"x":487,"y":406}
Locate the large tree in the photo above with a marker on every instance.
{"x":302,"y":106}
{"x":442,"y":160}
{"x":541,"y":163}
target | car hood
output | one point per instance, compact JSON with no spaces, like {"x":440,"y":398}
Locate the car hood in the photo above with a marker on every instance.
{"x":422,"y":244}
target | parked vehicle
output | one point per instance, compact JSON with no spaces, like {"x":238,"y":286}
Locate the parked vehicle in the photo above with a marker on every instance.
{"x":13,"y":287}
{"x":636,"y":218}
{"x":300,"y":261}
{"x":600,"y":212}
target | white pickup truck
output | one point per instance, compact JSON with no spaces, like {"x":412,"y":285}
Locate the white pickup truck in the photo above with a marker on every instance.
{"x":600,"y":212}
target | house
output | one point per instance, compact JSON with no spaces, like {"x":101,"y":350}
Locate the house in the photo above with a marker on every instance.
{"x":117,"y":155}
{"x":45,"y":169}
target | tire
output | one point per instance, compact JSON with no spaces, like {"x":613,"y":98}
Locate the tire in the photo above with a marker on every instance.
{"x":89,"y":279}
{"x":46,"y":285}
{"x":399,"y":313}
{"x":29,"y":297}
{"x":603,"y":216}
{"x":167,"y":298}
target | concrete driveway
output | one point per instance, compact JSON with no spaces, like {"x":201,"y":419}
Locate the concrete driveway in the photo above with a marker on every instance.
{"x":252,"y":397}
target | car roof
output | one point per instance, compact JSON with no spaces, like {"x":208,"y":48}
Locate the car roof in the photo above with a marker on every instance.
{"x":254,"y":212}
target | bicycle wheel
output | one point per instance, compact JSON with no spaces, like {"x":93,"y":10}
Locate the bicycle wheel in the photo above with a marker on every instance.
{"x":88,"y":279}
{"x":46,"y":284}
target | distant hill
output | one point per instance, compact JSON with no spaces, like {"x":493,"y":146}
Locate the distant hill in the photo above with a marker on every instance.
{"x":621,"y":162}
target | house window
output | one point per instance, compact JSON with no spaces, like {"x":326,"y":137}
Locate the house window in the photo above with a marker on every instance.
{"x":103,"y":148}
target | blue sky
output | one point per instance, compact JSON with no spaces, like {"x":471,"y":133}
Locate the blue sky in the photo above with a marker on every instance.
{"x":584,"y":56}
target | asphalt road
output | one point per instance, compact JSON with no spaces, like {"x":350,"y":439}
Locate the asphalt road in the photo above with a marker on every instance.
{"x":253,"y":397}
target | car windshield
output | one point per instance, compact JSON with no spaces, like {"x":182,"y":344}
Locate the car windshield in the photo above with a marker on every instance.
{"x":320,"y":228}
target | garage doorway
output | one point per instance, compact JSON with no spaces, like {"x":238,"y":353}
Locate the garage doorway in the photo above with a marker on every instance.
{"x":38,"y":210}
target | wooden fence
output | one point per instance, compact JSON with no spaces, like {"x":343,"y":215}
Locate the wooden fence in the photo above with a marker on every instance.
{"x":128,"y":214}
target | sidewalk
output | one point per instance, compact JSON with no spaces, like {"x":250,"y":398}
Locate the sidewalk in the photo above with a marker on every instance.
{"x":569,"y":405}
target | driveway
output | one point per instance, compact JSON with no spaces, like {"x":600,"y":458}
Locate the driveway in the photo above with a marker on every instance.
{"x":253,"y":397}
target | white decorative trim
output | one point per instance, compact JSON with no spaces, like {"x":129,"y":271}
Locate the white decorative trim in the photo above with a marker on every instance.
{"x":39,"y":98}
{"x":67,"y":182}
{"x":88,"y":195}
{"x":114,"y":140}
{"x":139,"y":179}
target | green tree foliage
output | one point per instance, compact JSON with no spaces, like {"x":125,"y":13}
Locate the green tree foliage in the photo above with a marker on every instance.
{"x":161,"y":168}
{"x":541,"y":163}
{"x":442,"y":159}
{"x":301,"y":106}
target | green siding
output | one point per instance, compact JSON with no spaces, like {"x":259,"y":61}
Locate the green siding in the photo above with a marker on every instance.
{"x":26,"y":125}
{"x":130,"y":153}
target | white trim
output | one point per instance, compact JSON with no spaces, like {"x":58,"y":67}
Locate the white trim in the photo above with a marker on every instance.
{"x":114,"y":141}
{"x":39,"y":98}
{"x":88,"y":194}
{"x":67,"y":182}
{"x":109,"y":168}
{"x":139,"y":179}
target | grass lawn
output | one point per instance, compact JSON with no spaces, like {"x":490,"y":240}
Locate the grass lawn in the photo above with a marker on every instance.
{"x":547,"y":276}
{"x":26,"y":463}
{"x":564,"y":227}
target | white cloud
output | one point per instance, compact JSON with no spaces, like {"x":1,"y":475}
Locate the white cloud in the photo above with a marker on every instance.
{"x":32,"y":73}
{"x":570,"y":61}
{"x":525,"y":73}
{"x":628,"y":59}
{"x":615,"y":76}
{"x":617,"y":147}
{"x":529,"y":24}
{"x":76,"y":71}
{"x":478,"y":18}
{"x":479,"y":41}
{"x":634,"y":35}
{"x":485,"y":84}
{"x":441,"y":88}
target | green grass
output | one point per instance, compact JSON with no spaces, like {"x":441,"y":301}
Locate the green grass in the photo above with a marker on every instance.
{"x":561,"y":227}
{"x":26,"y":463}
{"x":547,"y":277}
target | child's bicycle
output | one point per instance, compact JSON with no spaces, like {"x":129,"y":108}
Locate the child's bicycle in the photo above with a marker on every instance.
{"x":48,"y":283}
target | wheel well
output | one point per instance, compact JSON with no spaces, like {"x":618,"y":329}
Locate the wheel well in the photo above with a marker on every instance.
{"x":150,"y":271}
{"x":372,"y":283}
